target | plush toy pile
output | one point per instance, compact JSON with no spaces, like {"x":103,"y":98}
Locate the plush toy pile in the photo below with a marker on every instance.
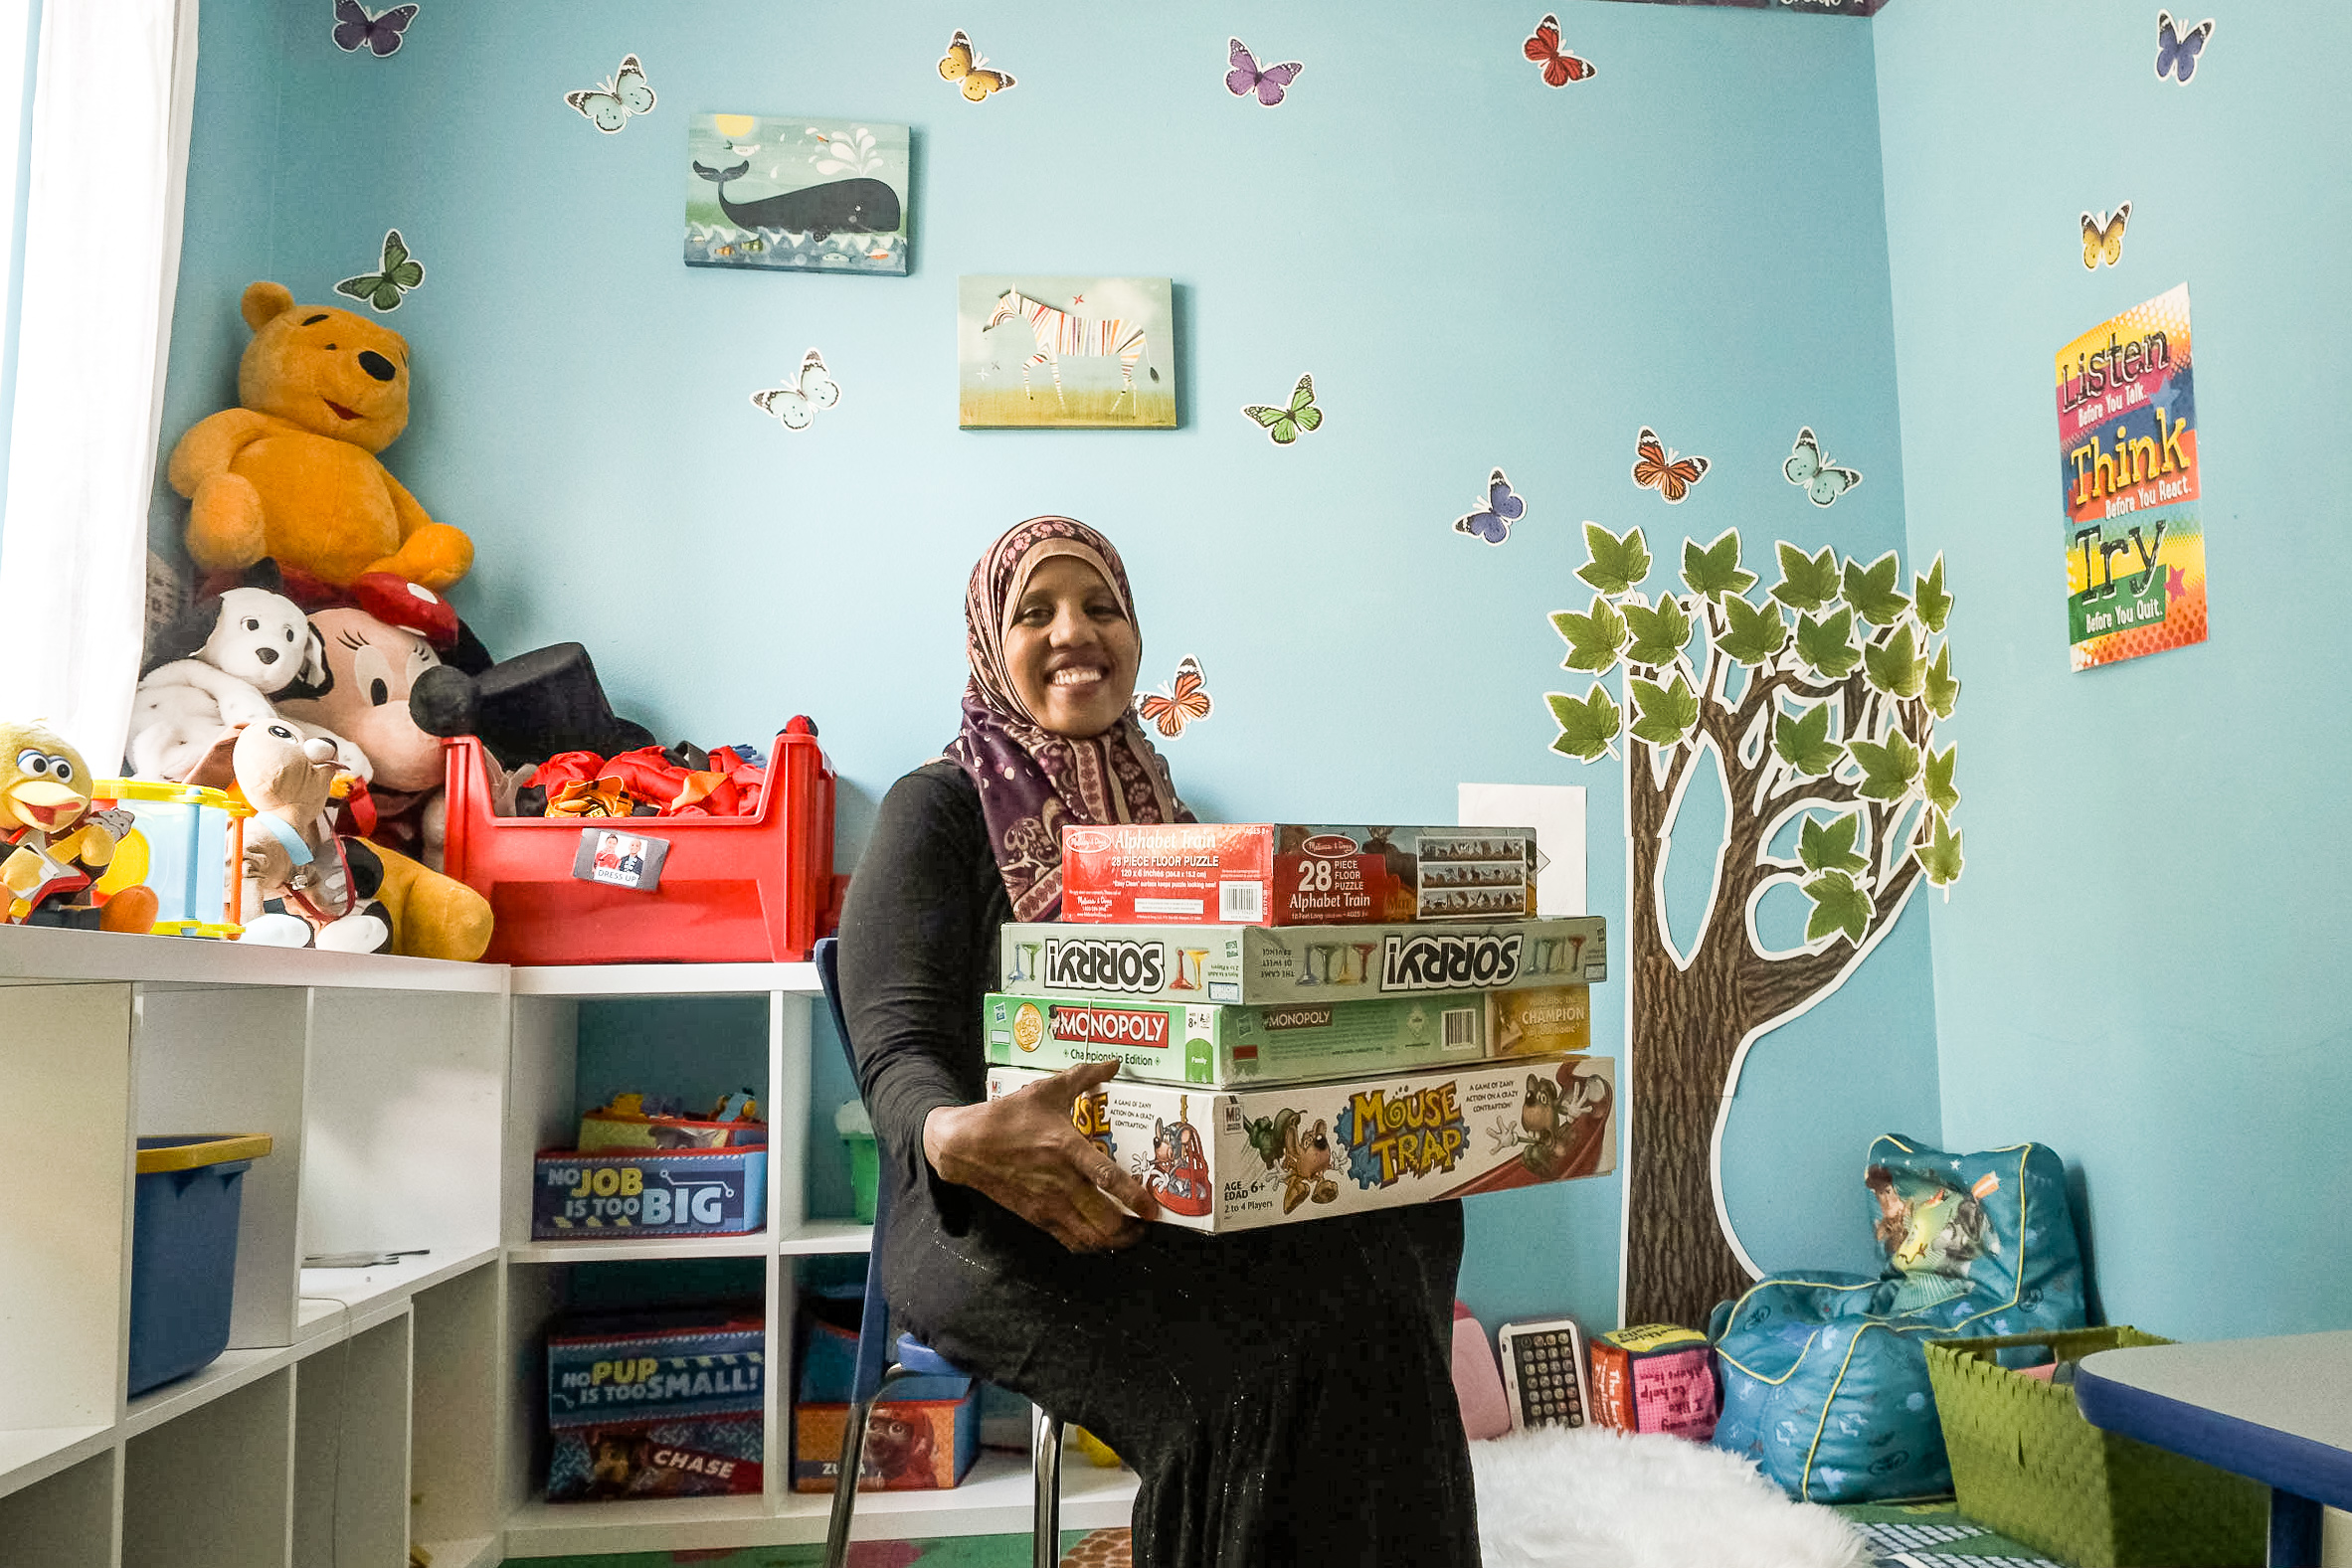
{"x":320,"y":668}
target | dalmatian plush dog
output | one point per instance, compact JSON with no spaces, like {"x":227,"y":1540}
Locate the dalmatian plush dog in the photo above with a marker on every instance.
{"x":217,"y":670}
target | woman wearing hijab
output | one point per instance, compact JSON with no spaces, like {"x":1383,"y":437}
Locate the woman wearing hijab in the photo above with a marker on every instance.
{"x":1285,"y":1394}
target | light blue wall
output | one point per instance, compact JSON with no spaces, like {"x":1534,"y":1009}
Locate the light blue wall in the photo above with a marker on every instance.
{"x":1478,"y":270}
{"x":2143,"y":964}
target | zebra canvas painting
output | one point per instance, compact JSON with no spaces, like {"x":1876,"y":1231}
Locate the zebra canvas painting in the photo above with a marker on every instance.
{"x":1070,"y":353}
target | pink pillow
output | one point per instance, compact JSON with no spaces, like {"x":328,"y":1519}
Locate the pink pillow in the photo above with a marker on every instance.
{"x":1478,"y":1381}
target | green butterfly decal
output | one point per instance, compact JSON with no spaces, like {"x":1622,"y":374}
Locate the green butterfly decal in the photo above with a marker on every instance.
{"x":383,"y":291}
{"x":1284,"y":424}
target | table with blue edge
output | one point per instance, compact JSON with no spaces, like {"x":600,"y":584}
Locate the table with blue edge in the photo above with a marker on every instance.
{"x":2279,"y":1411}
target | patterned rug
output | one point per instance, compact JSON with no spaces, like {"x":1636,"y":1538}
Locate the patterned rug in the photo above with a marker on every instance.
{"x":1935,"y":1536}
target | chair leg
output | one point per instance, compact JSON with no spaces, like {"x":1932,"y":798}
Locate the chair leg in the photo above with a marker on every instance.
{"x":1046,"y":1530}
{"x":836,"y":1531}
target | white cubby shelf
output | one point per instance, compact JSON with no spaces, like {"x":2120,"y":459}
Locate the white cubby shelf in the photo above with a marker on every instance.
{"x":361,"y":1411}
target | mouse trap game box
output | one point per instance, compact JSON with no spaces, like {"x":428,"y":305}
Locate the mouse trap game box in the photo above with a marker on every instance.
{"x":1235,"y":1160}
{"x":655,"y":1404}
{"x":1288,"y":874}
{"x":1286,"y":1043}
{"x":1253,"y":966}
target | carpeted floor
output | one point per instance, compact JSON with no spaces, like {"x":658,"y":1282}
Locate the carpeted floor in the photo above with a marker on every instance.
{"x":1922,"y":1536}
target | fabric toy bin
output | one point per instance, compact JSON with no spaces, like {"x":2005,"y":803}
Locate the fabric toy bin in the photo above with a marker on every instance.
{"x":183,"y":1251}
{"x":923,"y":1437}
{"x":648,"y":1193}
{"x":2026,"y":1463}
{"x":187,"y":843}
{"x":731,"y":890}
{"x":657,"y":1403}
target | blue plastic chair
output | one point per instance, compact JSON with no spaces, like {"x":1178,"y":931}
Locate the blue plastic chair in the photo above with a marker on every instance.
{"x":913,"y":1358}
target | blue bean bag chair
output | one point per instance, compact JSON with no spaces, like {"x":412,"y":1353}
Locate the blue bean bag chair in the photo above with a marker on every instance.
{"x":1825,"y":1374}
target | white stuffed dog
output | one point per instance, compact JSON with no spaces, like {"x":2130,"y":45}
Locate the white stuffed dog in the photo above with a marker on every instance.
{"x":218,"y":670}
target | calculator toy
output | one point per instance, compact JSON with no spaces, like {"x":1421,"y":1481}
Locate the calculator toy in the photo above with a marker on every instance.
{"x":1543,"y":1372}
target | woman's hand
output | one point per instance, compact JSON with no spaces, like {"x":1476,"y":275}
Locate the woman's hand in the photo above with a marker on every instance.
{"x":1024,"y":1152}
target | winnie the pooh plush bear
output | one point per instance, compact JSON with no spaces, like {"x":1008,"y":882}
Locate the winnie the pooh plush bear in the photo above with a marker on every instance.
{"x":293,"y":472}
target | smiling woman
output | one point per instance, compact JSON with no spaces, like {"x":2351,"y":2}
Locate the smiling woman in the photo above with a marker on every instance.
{"x":1284,"y":1395}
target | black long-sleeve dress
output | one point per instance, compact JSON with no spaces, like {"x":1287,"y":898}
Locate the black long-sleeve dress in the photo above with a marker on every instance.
{"x":1285,"y":1394}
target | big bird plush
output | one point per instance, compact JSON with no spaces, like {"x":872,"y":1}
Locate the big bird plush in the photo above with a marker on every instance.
{"x":293,"y":472}
{"x":56,"y":847}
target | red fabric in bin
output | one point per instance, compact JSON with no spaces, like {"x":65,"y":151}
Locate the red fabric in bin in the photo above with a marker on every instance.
{"x":730,"y":788}
{"x":754,"y":888}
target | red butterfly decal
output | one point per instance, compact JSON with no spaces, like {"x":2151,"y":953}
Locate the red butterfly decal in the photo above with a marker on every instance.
{"x":1559,"y":66}
{"x":1656,"y":468}
{"x":1175,"y":707}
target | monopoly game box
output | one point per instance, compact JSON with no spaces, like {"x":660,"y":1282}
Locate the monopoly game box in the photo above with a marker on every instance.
{"x":1288,"y":1042}
{"x":1290,"y":874}
{"x":1257,"y":964}
{"x":1238,"y":1158}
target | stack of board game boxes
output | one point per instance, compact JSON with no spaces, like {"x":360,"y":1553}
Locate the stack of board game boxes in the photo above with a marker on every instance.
{"x":1312,"y":1020}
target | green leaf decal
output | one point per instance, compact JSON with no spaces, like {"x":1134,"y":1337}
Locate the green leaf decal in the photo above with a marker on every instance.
{"x":1837,"y":905}
{"x":1871,"y":590}
{"x":1894,"y":667}
{"x":1940,"y":857}
{"x":1929,"y":596}
{"x":1752,"y":635}
{"x":1667,"y":712}
{"x":1936,"y":774}
{"x":1617,"y":564}
{"x":1660,"y":634}
{"x":1942,"y":690}
{"x":1829,"y":846}
{"x":1586,"y":726}
{"x":1716,"y":570}
{"x":1804,"y":743}
{"x":1595,"y":638}
{"x":1889,"y":770}
{"x":1826,"y":644}
{"x":1807,"y":581}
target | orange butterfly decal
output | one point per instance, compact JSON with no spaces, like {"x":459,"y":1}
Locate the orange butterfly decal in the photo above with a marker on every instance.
{"x":964,"y":63}
{"x":1657,"y":468}
{"x":1559,"y":66}
{"x":1173,"y":706}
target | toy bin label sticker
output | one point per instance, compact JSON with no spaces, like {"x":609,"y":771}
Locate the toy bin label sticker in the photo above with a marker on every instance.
{"x":2129,"y":490}
{"x":620,"y":860}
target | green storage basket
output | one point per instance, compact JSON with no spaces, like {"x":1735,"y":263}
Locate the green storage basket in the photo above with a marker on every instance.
{"x":2026,"y":1463}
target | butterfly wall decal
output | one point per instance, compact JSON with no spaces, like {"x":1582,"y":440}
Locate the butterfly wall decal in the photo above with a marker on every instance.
{"x":1559,"y":66}
{"x":1285,"y":424}
{"x":796,"y":402}
{"x":610,"y":105}
{"x":1823,"y":480}
{"x":1268,"y":82}
{"x":2176,"y":50}
{"x":1492,"y":522}
{"x":380,"y":33}
{"x":2102,"y":238}
{"x":1183,"y":701}
{"x":1655,"y":467}
{"x":961,"y":63}
{"x":397,"y":274}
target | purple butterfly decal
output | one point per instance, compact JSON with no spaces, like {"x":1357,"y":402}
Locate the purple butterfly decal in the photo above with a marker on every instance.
{"x":2177,"y":48}
{"x":1492,"y":522}
{"x":354,"y":27}
{"x":1247,"y":76}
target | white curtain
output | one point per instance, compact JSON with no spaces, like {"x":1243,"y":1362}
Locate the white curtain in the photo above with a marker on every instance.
{"x":114,"y":91}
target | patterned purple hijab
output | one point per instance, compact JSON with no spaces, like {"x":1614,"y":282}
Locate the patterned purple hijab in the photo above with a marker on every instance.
{"x":1032,"y":780}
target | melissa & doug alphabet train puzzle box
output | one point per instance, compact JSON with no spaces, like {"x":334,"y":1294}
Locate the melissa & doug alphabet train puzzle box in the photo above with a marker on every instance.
{"x":1286,"y":874}
{"x":1237,"y":1159}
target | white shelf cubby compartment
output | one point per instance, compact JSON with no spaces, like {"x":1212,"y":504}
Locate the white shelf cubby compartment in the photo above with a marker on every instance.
{"x":380,"y":1083}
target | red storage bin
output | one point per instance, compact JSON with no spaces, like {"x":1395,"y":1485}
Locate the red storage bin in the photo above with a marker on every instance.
{"x":733,"y":890}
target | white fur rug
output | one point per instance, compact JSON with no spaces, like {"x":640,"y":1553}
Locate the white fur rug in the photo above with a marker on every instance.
{"x":1587,"y":1498}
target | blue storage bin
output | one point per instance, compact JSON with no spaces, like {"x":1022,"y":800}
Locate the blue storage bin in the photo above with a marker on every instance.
{"x":183,"y":1251}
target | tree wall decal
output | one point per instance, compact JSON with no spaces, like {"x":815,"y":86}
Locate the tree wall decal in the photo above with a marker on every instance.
{"x":1818,"y":704}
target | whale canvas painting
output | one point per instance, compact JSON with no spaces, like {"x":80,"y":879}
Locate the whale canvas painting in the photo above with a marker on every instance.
{"x":784,"y":192}
{"x":1065,"y":353}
